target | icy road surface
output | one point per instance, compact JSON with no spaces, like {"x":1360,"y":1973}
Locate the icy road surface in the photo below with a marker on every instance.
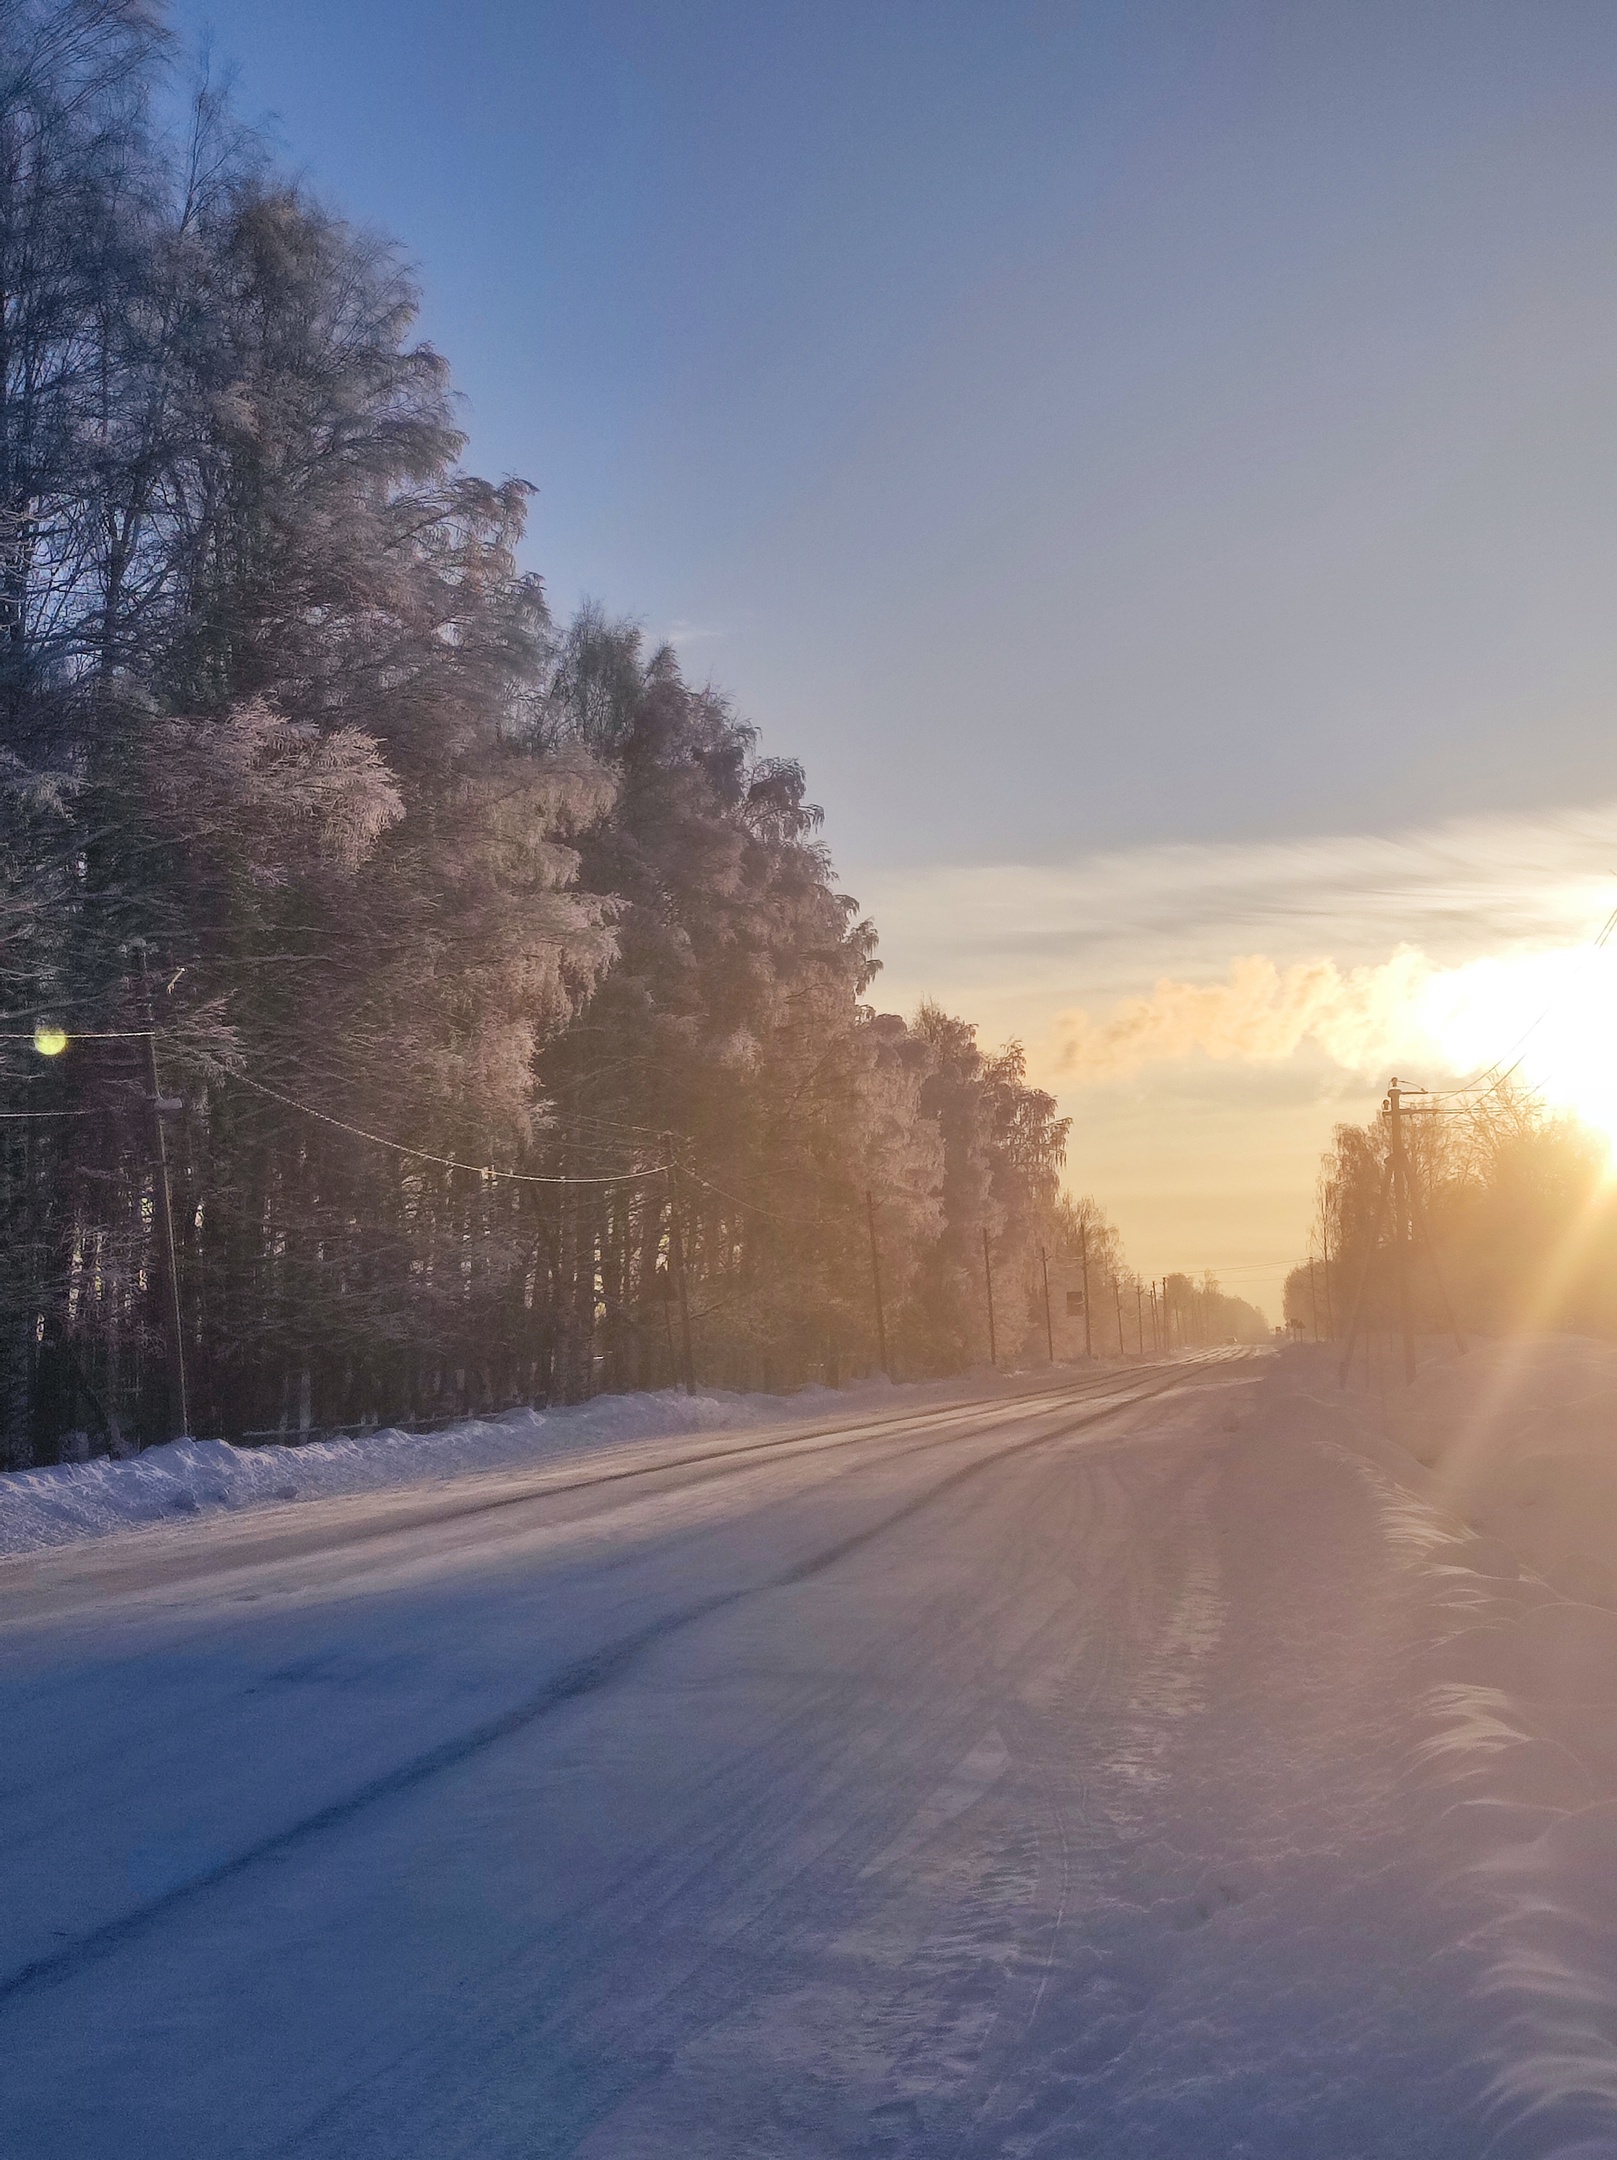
{"x":1053,"y":1774}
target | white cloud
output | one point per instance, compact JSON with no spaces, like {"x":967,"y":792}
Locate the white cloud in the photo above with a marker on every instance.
{"x":1260,"y":1014}
{"x":1206,"y":1013}
{"x":1039,"y":938}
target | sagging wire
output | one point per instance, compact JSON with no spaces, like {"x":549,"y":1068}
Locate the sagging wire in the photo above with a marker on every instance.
{"x":12,"y":1117}
{"x":445,"y":1162}
{"x":50,"y":1042}
{"x":1517,"y":1049}
{"x":754,"y":1207}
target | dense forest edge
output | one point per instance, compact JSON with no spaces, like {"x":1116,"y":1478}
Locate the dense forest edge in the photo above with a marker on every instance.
{"x":412,"y":1005}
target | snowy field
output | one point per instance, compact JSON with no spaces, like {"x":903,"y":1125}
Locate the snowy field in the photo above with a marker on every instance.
{"x":1149,"y":1764}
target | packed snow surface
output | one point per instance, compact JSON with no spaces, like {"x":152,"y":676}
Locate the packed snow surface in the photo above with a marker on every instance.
{"x":1141,"y":1764}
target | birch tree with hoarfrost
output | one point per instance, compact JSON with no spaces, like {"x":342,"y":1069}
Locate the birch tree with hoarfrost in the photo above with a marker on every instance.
{"x":459,"y":987}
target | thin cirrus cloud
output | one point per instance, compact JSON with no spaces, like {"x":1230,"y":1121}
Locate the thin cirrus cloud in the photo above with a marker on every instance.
{"x":1206,"y":1013}
{"x":1245,"y":952}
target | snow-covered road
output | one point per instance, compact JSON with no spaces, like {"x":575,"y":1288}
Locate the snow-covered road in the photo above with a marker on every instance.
{"x":1039,"y":1775}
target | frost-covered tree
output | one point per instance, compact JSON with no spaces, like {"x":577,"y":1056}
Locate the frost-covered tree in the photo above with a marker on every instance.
{"x":1515,"y":1225}
{"x":497,"y":983}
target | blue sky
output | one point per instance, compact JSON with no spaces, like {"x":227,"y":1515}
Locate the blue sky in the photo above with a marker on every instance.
{"x":1070,"y":428}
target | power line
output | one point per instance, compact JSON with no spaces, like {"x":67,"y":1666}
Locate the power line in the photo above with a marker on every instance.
{"x":446,"y":1162}
{"x":519,"y":1177}
{"x":13,"y":1117}
{"x":1518,"y":1047}
{"x":806,"y":1222}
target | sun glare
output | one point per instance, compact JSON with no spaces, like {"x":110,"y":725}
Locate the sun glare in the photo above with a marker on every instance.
{"x":1556,"y":1011}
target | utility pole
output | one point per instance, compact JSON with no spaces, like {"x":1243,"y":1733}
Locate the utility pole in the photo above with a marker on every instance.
{"x":988,"y":1278}
{"x":1117,"y":1293}
{"x":1325,"y":1241}
{"x":1313,"y":1300}
{"x":179,"y":1408}
{"x":676,"y":1252}
{"x":1083,"y":1257}
{"x":1139,"y":1316}
{"x":1049,"y":1331}
{"x":875,"y":1277}
{"x":1401,"y":1221}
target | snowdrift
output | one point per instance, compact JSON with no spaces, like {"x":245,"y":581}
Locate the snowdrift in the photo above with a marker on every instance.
{"x":1499,"y":1470}
{"x":1516,"y":1439}
{"x":72,"y":1501}
{"x":58,"y":1506}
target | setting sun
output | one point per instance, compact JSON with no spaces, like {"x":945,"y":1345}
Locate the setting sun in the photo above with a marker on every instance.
{"x":1554,"y":1011}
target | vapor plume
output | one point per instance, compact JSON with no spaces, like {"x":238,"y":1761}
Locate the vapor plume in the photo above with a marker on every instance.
{"x":1260,"y":1014}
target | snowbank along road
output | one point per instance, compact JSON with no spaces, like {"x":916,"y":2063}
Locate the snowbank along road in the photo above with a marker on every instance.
{"x":1117,"y":1767}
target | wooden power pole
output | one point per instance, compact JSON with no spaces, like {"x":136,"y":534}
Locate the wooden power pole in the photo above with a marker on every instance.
{"x":875,"y":1277}
{"x":676,"y":1252}
{"x":1398,"y":1197}
{"x":988,"y":1278}
{"x":173,"y":1327}
{"x":1400,"y":1222}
